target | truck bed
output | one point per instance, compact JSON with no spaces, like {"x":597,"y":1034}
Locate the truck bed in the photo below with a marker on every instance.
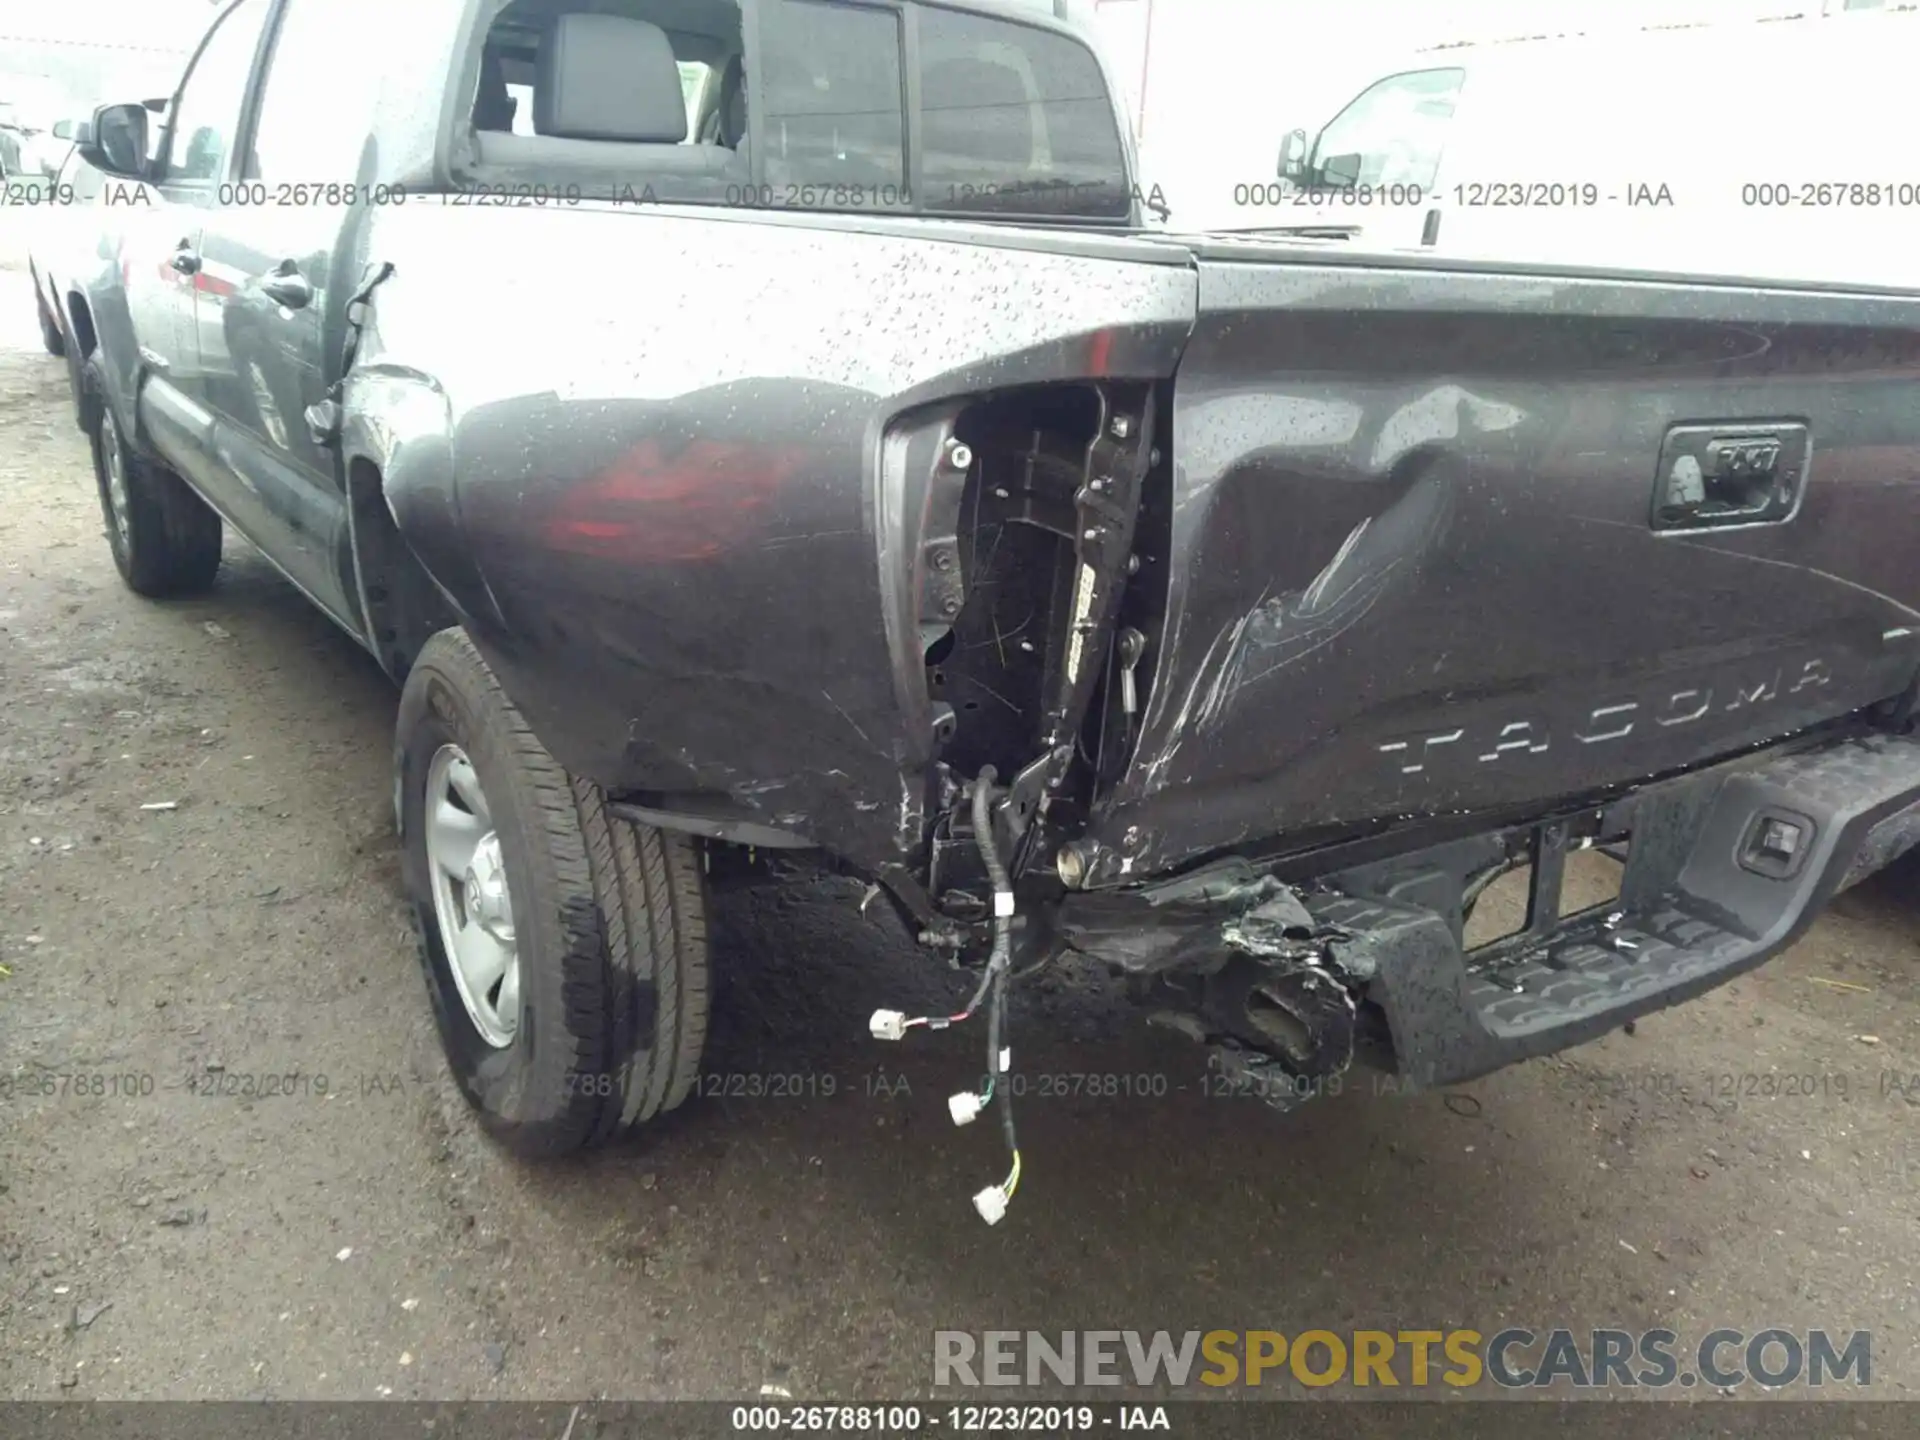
{"x":1399,"y":550}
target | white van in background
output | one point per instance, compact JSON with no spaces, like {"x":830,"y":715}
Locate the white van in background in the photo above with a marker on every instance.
{"x":1784,"y":149}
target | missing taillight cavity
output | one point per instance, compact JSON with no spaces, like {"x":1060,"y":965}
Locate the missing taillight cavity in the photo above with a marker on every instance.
{"x":1016,"y":556}
{"x":1025,"y":562}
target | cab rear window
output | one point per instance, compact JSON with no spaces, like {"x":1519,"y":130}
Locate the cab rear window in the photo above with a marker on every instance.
{"x":1015,"y":120}
{"x":799,"y":104}
{"x":835,"y":121}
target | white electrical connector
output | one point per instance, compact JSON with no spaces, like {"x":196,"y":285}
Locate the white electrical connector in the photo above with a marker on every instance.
{"x":965,"y":1107}
{"x":992,"y":1204}
{"x":888,"y":1025}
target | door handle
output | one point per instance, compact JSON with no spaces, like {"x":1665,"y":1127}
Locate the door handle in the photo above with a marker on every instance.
{"x":185,"y":260}
{"x":288,"y":287}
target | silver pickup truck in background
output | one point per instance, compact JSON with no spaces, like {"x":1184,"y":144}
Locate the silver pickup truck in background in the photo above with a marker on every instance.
{"x":763,"y":425}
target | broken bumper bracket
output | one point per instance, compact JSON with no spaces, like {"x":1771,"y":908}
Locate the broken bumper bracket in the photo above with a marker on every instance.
{"x":1724,"y":870}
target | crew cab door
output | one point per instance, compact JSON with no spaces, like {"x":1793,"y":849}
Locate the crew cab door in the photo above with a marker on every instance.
{"x":272,"y":314}
{"x":161,"y":256}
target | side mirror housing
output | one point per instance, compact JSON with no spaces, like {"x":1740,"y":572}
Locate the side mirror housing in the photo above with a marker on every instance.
{"x":64,"y":130}
{"x":1293,"y":157}
{"x":116,"y":141}
{"x":1340,"y":171}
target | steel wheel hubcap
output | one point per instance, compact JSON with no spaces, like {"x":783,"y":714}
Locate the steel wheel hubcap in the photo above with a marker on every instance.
{"x":115,"y":462}
{"x":471,"y":902}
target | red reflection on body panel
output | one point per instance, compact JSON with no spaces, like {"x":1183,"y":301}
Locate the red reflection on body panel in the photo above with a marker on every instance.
{"x":702,"y":500}
{"x":1100,"y":352}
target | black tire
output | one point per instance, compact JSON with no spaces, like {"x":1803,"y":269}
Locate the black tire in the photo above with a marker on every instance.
{"x":609,"y":921}
{"x":50,"y":335}
{"x":167,"y":542}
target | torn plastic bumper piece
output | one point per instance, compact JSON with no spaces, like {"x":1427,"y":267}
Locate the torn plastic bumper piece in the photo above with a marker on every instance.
{"x":1725,"y":868}
{"x":1236,"y":961}
{"x":1276,"y":1030}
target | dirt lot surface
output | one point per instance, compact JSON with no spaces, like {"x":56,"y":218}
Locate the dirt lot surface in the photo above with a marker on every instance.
{"x":370,"y":1241}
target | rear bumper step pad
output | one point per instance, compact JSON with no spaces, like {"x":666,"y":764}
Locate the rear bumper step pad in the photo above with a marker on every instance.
{"x":1710,"y":891}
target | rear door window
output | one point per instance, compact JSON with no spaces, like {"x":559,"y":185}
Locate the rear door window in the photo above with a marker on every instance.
{"x":206,"y":115}
{"x":317,"y":108}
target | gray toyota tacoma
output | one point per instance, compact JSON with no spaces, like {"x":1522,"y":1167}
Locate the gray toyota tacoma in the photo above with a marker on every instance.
{"x":771,"y":425}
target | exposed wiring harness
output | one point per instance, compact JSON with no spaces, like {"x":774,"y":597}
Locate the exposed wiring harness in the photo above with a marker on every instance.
{"x":992,"y":1202}
{"x":992,"y":989}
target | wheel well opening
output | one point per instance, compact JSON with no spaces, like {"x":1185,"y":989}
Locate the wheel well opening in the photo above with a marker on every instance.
{"x":81,"y":344}
{"x":402,"y":605}
{"x":82,"y":319}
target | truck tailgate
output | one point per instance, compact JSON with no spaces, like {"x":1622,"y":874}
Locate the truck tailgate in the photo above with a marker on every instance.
{"x":1452,"y":540}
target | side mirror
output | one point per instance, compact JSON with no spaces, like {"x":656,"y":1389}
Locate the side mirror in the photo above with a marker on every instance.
{"x":63,"y":130}
{"x":117,"y":142}
{"x":1293,"y":157}
{"x":1340,"y":171}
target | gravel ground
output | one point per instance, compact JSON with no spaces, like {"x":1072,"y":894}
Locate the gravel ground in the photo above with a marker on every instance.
{"x":371,"y":1242}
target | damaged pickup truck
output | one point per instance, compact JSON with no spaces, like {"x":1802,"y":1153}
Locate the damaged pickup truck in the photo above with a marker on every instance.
{"x":767,"y":424}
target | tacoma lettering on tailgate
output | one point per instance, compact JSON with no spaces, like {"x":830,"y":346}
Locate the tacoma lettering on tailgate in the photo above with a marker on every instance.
{"x":1615,"y":720}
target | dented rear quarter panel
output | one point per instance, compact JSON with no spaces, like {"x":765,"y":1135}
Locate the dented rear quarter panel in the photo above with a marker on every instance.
{"x":641,"y":448}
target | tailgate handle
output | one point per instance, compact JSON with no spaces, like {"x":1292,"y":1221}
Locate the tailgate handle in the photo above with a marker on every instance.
{"x":1718,"y":475}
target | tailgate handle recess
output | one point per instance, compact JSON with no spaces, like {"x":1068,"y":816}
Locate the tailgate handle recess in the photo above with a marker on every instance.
{"x":1729,"y":473}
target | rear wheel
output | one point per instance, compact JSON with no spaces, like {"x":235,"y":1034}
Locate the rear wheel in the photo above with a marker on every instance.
{"x":565,"y":949}
{"x":165,"y":539}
